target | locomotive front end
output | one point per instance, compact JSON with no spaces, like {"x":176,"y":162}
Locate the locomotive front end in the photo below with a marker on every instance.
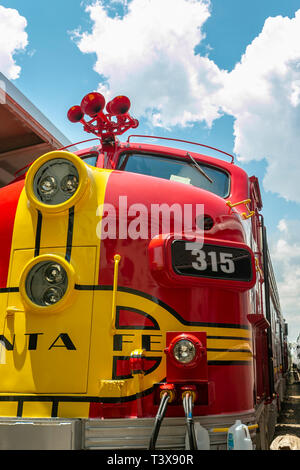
{"x":125,"y":295}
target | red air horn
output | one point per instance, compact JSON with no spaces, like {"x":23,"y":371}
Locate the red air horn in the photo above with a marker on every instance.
{"x":105,"y":126}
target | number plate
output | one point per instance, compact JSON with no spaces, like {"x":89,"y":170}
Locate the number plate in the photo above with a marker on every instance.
{"x":211,"y":261}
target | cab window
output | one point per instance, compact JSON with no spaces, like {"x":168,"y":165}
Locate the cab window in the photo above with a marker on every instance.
{"x":184,"y":171}
{"x":90,"y":158}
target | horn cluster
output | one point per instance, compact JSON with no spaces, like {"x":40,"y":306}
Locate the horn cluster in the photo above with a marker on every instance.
{"x":105,"y":125}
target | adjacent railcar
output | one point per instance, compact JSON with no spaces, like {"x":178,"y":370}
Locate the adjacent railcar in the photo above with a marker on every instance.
{"x":138,"y":301}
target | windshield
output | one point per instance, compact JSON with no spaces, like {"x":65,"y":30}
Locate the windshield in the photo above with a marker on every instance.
{"x":90,"y":158}
{"x":183,"y":171}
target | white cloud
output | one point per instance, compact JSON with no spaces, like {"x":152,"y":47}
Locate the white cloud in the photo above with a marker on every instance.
{"x":13,"y":38}
{"x":262,"y":92}
{"x":285,"y":254}
{"x":148,"y":54}
{"x":282,"y":226}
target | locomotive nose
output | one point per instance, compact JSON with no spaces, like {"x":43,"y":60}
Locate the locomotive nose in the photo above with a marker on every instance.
{"x":142,"y":207}
{"x":185,"y":235}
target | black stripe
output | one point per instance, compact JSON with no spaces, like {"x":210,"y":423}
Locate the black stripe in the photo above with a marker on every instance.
{"x":245,"y":338}
{"x":54,"y":409}
{"x":162,"y":304}
{"x":94,"y":399}
{"x":8,"y":289}
{"x":86,"y":287}
{"x":20,"y":408}
{"x":71,"y":399}
{"x":70,"y":234}
{"x":38,"y":234}
{"x":154,"y":326}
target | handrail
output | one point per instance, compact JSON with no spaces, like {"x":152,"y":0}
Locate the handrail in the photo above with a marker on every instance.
{"x":250,"y":427}
{"x":117,"y":259}
{"x":77,"y":143}
{"x":61,"y":148}
{"x":180,"y":140}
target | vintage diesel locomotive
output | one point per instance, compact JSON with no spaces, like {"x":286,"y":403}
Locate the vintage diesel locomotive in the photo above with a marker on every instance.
{"x":138,"y":300}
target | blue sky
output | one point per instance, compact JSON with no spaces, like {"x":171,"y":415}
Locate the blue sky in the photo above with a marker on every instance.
{"x":222,"y":72}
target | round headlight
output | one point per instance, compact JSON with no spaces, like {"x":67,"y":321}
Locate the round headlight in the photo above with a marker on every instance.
{"x":48,"y":187}
{"x":56,"y":181}
{"x":55,"y":273}
{"x":52,"y":295}
{"x":184,"y":351}
{"x":46,"y":283}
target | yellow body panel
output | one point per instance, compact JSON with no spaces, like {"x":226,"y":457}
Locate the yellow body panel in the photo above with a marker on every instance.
{"x":58,"y":363}
{"x":49,"y":353}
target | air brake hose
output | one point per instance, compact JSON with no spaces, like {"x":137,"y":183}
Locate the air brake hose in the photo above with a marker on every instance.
{"x":187,"y":401}
{"x":165,"y":397}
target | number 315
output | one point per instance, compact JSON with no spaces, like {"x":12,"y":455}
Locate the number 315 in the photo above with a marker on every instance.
{"x":225,"y":262}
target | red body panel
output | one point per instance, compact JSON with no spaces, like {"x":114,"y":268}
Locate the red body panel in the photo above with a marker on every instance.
{"x":208,"y":305}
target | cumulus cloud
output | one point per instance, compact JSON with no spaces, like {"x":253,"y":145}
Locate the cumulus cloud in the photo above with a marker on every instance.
{"x":285,"y":254}
{"x":149,"y":54}
{"x":262,"y":92}
{"x":13,"y":38}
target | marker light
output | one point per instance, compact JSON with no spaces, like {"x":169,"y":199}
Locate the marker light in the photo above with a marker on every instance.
{"x":75,"y":114}
{"x":92,"y":104}
{"x":119,"y":105}
{"x":47,"y":283}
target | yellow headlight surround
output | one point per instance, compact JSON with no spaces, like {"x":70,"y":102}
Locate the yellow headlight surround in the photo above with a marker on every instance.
{"x":67,"y":298}
{"x":83,"y":183}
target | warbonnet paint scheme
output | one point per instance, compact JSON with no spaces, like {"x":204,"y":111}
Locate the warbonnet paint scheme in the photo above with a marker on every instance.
{"x":135,"y":278}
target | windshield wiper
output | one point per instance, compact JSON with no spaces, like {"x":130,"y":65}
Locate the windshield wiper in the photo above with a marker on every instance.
{"x":199,"y":168}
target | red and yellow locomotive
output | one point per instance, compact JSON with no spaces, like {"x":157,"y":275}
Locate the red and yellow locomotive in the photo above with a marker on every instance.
{"x":138,"y":301}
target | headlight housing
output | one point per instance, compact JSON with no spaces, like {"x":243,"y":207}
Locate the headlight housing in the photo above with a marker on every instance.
{"x":184,"y":351}
{"x":56,"y":181}
{"x":46,"y":283}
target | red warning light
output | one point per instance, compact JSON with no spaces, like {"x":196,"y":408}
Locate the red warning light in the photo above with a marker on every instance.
{"x":92,"y":104}
{"x":75,"y":114}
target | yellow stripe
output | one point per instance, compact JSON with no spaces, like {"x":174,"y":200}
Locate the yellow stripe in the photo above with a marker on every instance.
{"x":228,"y":356}
{"x":229,"y":344}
